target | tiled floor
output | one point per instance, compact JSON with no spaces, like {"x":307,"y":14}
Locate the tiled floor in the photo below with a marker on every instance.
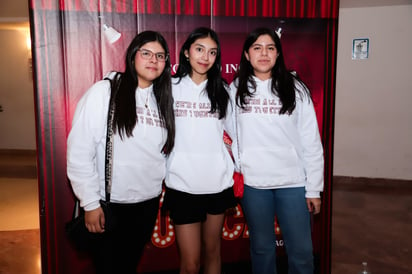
{"x":373,"y":224}
{"x":371,"y":221}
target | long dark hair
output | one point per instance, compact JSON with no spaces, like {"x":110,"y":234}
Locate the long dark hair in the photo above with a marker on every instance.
{"x":216,"y":85}
{"x":283,"y":81}
{"x":124,"y":86}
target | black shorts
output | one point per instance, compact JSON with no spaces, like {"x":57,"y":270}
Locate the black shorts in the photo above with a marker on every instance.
{"x":186,"y":208}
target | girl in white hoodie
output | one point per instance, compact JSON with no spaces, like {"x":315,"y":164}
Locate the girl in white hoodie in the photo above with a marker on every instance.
{"x":280,"y":154}
{"x":200,"y":169}
{"x":143,"y":136}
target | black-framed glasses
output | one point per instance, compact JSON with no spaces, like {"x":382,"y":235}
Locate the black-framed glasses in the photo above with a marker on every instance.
{"x":148,"y":54}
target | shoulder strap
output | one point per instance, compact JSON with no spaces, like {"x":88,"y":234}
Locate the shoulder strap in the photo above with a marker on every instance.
{"x":109,"y":140}
{"x":237,"y":138}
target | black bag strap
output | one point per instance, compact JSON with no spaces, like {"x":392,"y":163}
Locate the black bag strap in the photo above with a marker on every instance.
{"x":109,"y":138}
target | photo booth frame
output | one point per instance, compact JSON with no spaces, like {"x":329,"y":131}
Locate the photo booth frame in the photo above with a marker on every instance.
{"x":70,"y":53}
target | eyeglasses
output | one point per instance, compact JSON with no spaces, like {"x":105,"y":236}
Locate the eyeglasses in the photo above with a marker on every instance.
{"x":147,"y":55}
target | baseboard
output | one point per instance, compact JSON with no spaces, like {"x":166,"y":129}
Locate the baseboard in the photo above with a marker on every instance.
{"x":18,"y":152}
{"x":364,"y":183}
{"x":18,"y":163}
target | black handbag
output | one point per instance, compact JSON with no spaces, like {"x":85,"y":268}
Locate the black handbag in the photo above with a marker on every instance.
{"x":75,"y":229}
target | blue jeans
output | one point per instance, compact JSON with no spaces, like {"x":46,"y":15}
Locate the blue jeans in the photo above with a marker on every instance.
{"x":289,"y":205}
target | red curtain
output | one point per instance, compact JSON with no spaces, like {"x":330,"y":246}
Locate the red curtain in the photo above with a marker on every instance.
{"x":262,"y":8}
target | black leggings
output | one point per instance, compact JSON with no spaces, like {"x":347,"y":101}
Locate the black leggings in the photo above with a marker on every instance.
{"x":120,"y":250}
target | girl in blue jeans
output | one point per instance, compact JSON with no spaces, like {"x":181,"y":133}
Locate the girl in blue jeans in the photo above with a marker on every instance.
{"x":279,"y":153}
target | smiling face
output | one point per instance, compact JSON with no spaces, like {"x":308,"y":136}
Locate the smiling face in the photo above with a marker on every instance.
{"x":262,"y":56}
{"x":149,"y":69}
{"x":202,"y":55}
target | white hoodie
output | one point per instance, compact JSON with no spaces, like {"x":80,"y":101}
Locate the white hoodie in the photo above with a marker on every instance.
{"x":138,"y":164}
{"x":279,"y":151}
{"x":200,"y":162}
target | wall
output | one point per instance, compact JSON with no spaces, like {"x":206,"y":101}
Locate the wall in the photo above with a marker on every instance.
{"x":373,"y":127}
{"x":17,"y":120}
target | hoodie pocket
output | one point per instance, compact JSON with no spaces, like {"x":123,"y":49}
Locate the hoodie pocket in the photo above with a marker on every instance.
{"x":276,"y":162}
{"x":197,"y":172}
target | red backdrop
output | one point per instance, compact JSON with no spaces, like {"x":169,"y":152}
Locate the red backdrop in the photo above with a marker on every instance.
{"x":70,"y":53}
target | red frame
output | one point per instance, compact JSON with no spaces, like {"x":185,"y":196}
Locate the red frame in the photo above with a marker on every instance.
{"x":52,"y":48}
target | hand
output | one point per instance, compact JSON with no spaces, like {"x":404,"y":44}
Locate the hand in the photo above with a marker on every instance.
{"x":313,"y":205}
{"x":94,"y":220}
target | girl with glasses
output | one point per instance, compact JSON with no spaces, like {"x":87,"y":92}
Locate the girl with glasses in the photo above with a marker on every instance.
{"x":144,"y":131}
